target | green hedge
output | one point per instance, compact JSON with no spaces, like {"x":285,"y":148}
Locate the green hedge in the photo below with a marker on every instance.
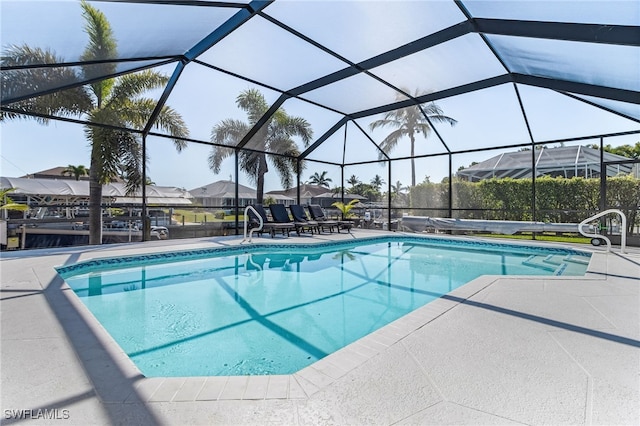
{"x":557,"y":199}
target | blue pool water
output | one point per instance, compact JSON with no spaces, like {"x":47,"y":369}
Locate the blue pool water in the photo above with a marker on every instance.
{"x":276,"y":309}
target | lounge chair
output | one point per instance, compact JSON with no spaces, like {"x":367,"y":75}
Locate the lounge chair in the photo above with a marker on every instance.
{"x":270,"y":226}
{"x":281,"y":217}
{"x":341,"y":224}
{"x":323,"y":222}
{"x":279,"y":213}
{"x":301,"y":219}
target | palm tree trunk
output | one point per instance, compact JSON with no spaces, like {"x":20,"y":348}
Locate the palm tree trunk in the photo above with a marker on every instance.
{"x":413,"y":161}
{"x":263,"y":168}
{"x":95,"y":208}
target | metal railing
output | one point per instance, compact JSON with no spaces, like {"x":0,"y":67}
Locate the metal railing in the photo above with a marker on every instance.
{"x":246,"y":220}
{"x":623,"y":236}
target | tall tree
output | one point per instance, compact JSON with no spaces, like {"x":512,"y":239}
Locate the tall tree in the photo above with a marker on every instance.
{"x":320,"y":179}
{"x":275,"y":136}
{"x":629,"y":151}
{"x":377,"y":182}
{"x":409,"y":122}
{"x":398,"y":188}
{"x":353,"y":181}
{"x":75,"y":171}
{"x":117,"y":103}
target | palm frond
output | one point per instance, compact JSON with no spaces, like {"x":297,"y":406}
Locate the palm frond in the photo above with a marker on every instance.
{"x":102,"y":46}
{"x":253,"y":103}
{"x":387,"y":121}
{"x":282,"y":144}
{"x":137,"y":112}
{"x":298,"y":126}
{"x":284,"y":167}
{"x":22,"y":82}
{"x":130,"y":160}
{"x":106,"y":150}
{"x":389,"y":143}
{"x":217,"y":155}
{"x":134,"y":112}
{"x":172,"y":122}
{"x":229,"y":132}
{"x":130,"y":86}
{"x":250,"y":161}
{"x":22,"y":55}
{"x":435,"y":113}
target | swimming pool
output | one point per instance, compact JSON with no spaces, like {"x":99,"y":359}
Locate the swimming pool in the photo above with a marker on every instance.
{"x":274,"y":309}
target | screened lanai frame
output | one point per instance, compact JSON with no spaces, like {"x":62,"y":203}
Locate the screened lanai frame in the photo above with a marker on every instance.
{"x":557,"y":48}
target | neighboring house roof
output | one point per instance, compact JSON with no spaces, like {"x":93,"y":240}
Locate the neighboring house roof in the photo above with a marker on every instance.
{"x":279,"y":197}
{"x":57,"y":173}
{"x":306,"y":191}
{"x":565,"y":161}
{"x":36,"y":188}
{"x":223,"y":189}
{"x":338,"y":196}
{"x":53,"y":173}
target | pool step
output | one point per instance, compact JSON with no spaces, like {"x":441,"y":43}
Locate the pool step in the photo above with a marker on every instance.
{"x":581,"y":260}
{"x":552,"y":263}
{"x":535,"y":261}
{"x":560,"y":269}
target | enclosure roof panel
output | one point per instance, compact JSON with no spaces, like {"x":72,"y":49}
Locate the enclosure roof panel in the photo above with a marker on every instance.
{"x":343,"y":60}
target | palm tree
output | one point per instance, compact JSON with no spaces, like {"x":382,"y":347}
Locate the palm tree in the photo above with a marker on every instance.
{"x":274,"y":136}
{"x":69,"y":102}
{"x":377,"y":182}
{"x":116,"y":102}
{"x":353,"y":181}
{"x":409,"y":121}
{"x":320,"y":179}
{"x":398,"y":188}
{"x":75,"y":171}
{"x":397,"y":192}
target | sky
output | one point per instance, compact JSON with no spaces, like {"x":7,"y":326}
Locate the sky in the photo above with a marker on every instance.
{"x":204,"y":96}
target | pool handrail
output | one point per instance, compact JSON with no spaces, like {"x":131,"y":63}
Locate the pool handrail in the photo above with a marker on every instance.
{"x":246,"y":219}
{"x":623,"y":234}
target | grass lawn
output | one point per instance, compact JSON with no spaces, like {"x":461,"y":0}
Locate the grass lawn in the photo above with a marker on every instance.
{"x":191,"y":216}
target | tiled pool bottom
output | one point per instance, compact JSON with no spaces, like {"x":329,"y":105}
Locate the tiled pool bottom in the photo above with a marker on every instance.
{"x":519,"y":350}
{"x":275,"y":310}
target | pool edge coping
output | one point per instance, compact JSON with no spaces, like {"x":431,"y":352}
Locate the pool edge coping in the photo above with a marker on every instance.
{"x":297,"y":386}
{"x":86,"y":265}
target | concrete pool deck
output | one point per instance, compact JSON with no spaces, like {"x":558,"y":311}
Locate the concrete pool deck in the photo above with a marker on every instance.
{"x":499,"y":350}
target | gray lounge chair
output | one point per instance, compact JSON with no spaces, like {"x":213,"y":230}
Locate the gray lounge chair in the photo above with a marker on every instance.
{"x":301,"y":219}
{"x":281,"y":217}
{"x":340,"y":224}
{"x":269,"y":226}
{"x":323,"y":222}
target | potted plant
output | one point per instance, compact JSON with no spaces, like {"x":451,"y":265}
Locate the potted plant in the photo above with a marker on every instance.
{"x":345,"y":209}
